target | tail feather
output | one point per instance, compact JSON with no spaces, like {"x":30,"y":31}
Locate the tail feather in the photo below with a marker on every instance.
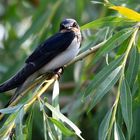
{"x":18,"y":79}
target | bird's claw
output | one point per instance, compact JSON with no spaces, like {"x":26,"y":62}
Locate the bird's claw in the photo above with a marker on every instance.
{"x":59,"y":71}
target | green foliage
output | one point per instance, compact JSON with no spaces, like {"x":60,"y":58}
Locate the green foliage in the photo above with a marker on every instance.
{"x":99,"y":95}
{"x":105,"y":86}
{"x":104,"y":126}
{"x":126,"y":105}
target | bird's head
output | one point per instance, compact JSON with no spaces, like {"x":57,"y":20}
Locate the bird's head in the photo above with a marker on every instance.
{"x":69,"y":24}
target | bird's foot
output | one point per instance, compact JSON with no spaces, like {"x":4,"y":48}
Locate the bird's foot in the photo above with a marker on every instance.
{"x":59,"y":71}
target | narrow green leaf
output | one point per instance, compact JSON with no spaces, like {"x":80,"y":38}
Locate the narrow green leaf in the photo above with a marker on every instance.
{"x":5,"y":130}
{"x":7,"y":124}
{"x":118,"y":134}
{"x":55,"y":95}
{"x":105,"y":21}
{"x":65,"y":119}
{"x":122,"y":48}
{"x":133,"y":66}
{"x":105,"y":86}
{"x":9,"y":110}
{"x":50,"y":133}
{"x":137,"y":123}
{"x":55,"y":103}
{"x":104,"y":126}
{"x":126,"y":105}
{"x":19,"y":125}
{"x":44,"y":124}
{"x":101,"y":76}
{"x":138,"y":43}
{"x":113,"y":42}
{"x":29,"y":125}
{"x":62,"y":127}
{"x":97,"y":2}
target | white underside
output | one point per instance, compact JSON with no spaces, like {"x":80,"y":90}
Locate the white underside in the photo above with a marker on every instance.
{"x":63,"y":58}
{"x":59,"y":61}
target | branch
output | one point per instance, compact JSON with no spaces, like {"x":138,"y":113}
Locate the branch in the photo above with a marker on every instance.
{"x":45,"y":85}
{"x":78,"y":58}
{"x":86,"y":53}
{"x":54,"y":77}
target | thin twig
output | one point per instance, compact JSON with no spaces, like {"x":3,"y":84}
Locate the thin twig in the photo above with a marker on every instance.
{"x":36,"y":82}
{"x":86,"y":53}
{"x":42,"y":89}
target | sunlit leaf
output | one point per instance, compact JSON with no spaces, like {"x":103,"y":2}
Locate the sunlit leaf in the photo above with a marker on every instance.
{"x":4,"y":131}
{"x":55,"y":95}
{"x":118,"y":134}
{"x":8,"y":125}
{"x":65,"y":119}
{"x":55,"y":103}
{"x":105,"y":21}
{"x":62,"y":127}
{"x":50,"y":132}
{"x":129,"y":13}
{"x":138,"y":44}
{"x":44,"y":124}
{"x":97,"y":2}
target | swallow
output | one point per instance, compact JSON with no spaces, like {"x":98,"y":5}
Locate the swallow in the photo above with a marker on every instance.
{"x":50,"y":55}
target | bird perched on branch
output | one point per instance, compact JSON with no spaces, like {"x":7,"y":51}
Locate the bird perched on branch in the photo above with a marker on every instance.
{"x":50,"y":55}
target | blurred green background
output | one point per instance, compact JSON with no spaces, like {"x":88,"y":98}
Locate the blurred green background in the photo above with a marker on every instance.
{"x":26,"y":23}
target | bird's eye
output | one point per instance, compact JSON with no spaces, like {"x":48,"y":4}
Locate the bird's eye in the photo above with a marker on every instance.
{"x":62,"y":26}
{"x":74,"y":24}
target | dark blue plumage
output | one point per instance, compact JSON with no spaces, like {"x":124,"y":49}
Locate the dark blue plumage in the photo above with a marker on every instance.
{"x":40,"y":57}
{"x":52,"y":54}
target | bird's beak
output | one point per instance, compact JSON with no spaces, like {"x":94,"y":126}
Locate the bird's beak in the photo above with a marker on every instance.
{"x":68,"y":27}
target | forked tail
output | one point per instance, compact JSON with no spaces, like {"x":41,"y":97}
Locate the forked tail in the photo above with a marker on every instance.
{"x":18,"y":79}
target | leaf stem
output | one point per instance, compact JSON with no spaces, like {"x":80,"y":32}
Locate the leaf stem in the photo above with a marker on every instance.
{"x":86,"y":53}
{"x":132,"y":40}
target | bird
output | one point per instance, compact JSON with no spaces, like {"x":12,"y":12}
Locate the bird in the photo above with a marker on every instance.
{"x":50,"y":55}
